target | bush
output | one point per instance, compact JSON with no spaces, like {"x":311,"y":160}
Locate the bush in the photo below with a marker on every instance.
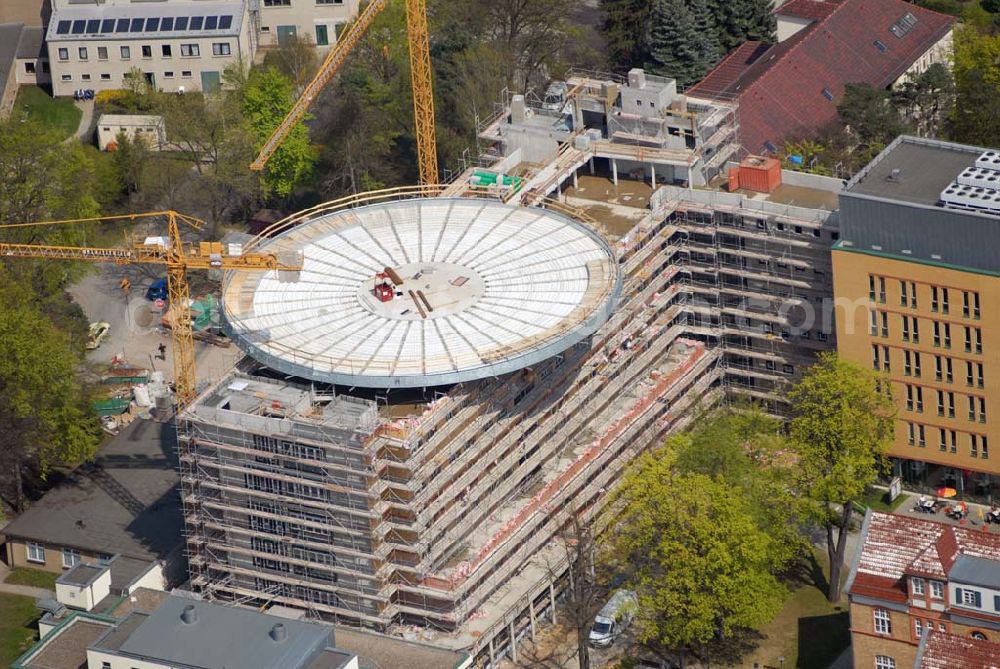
{"x":110,"y":97}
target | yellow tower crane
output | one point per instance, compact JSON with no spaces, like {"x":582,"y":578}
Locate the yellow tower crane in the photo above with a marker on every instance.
{"x":420,"y":80}
{"x":175,"y":255}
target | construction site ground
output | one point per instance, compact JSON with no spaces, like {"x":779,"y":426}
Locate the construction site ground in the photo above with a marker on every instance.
{"x":135,"y":331}
{"x":600,"y":188}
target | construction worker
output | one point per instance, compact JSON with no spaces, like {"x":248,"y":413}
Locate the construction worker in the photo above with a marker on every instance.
{"x":163,"y":351}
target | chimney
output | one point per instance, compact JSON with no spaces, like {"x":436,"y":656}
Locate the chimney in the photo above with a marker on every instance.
{"x":636,"y":77}
{"x":278,"y":633}
{"x":517,"y":110}
{"x":189,"y":616}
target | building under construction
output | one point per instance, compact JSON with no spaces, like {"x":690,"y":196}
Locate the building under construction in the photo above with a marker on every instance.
{"x":451,"y":379}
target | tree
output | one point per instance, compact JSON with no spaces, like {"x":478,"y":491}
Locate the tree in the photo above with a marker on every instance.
{"x":694,"y":554}
{"x":869,"y":116}
{"x":927,"y":99}
{"x":976,"y":117}
{"x":583,"y":597}
{"x":131,"y":157}
{"x":681,"y":40}
{"x":43,"y":413}
{"x":624,"y":27}
{"x":740,"y":20}
{"x":267,"y":98}
{"x":296,"y":59}
{"x":840,"y":432}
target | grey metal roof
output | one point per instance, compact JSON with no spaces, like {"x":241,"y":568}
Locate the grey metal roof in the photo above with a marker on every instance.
{"x":222,"y":636}
{"x":32,"y":43}
{"x":128,"y":503}
{"x":925,"y":167}
{"x":10,"y":33}
{"x":145,"y":20}
{"x":975,"y":571}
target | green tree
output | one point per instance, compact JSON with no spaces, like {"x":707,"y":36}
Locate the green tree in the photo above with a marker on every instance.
{"x":740,"y":20}
{"x":624,"y":26}
{"x":870,"y":117}
{"x":693,"y":553}
{"x":267,"y":98}
{"x":927,"y":99}
{"x":131,"y":157}
{"x":840,"y":432}
{"x":681,"y":40}
{"x":297,"y":59}
{"x":43,"y":413}
{"x":976,"y":117}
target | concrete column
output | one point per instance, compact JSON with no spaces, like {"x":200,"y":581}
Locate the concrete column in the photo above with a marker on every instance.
{"x":614,"y":171}
{"x":590,"y":164}
{"x":513,"y":641}
{"x":576,"y":181}
{"x":531,"y":616}
{"x":552,"y":601}
{"x":493,"y":657}
{"x":652,"y":171}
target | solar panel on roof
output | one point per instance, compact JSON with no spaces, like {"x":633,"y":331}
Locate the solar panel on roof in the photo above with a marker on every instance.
{"x":122,"y":26}
{"x":211,"y":23}
{"x":225,"y":22}
{"x":197,"y":22}
{"x":108,"y":26}
{"x":137,"y":25}
{"x":167,"y":23}
{"x":94,"y":26}
{"x":63,"y":27}
{"x":152,"y":25}
{"x":79,"y":27}
{"x":181,"y":23}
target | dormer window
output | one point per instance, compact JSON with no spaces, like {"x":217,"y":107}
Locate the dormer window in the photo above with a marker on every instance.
{"x":917,"y":584}
{"x":937,"y":590}
{"x":970,"y":598}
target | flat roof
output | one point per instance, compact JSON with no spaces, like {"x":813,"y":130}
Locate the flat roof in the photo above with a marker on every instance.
{"x":379,"y":651}
{"x":146,"y":20}
{"x":127,"y":502}
{"x":481,"y":288}
{"x":67,"y":649}
{"x":223,"y":636}
{"x":926,"y":167}
{"x":82,"y":574}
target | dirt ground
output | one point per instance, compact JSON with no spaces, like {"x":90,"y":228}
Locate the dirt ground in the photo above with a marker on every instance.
{"x":135,"y":333}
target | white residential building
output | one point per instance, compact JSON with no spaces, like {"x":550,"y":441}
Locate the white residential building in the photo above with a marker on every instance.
{"x":177,"y":45}
{"x":318,"y":21}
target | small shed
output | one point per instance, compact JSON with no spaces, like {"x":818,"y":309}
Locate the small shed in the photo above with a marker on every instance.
{"x":147,"y":128}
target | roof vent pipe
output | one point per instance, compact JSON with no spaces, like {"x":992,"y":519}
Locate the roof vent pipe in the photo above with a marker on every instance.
{"x":189,"y":616}
{"x":278,"y":633}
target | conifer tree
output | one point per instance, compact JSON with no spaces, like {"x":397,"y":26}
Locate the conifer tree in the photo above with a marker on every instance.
{"x":681,"y":40}
{"x":624,"y":29}
{"x":740,"y":20}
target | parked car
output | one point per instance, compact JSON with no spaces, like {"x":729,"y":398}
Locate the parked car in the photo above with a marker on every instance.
{"x":157,"y":290}
{"x":613,"y":618}
{"x":96,"y":334}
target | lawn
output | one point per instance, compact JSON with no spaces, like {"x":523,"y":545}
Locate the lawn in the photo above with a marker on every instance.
{"x":60,"y":114}
{"x":878,"y":500}
{"x":810,"y":632}
{"x":33,"y":577}
{"x":17,"y":626}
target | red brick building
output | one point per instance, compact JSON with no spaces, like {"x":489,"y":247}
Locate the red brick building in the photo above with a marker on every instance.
{"x":912,"y":577}
{"x":951,"y":651}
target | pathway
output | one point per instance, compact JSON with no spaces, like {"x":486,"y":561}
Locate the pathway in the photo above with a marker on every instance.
{"x":87,"y":107}
{"x":23,"y":590}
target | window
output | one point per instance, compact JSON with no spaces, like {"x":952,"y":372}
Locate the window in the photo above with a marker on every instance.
{"x":29,"y":68}
{"x":904,"y":322}
{"x":909,"y":434}
{"x":934,"y":298}
{"x":186,"y":74}
{"x":951,"y":405}
{"x":954,"y":441}
{"x":940,"y":406}
{"x":70,"y":557}
{"x":873,"y":324}
{"x":979,"y":374}
{"x":902,"y":293}
{"x":973,"y":445}
{"x":105,"y":665}
{"x":85,"y":77}
{"x":63,"y":53}
{"x":190,"y":50}
{"x":975,"y":305}
{"x":965,"y":303}
{"x":168,"y":75}
{"x":916,"y":363}
{"x":984,"y":446}
{"x":147,"y":51}
{"x":828,"y":94}
{"x":277,"y":3}
{"x":918,"y":627}
{"x":978,"y":636}
{"x":102,"y":53}
{"x":979,"y":341}
{"x":982,"y":409}
{"x":885,"y":324}
{"x":909,"y":397}
{"x":886,"y":367}
{"x":969,"y":598}
{"x":166,"y":50}
{"x":937,"y":368}
{"x":947,"y":335}
{"x":937,"y":334}
{"x":916,"y":330}
{"x":881,"y":289}
{"x":105,"y":77}
{"x":948,"y":376}
{"x":944,"y":300}
{"x":322,"y":36}
{"x":920,"y":399}
{"x":884,"y":662}
{"x":221,"y":49}
{"x":882,"y":623}
{"x":921,"y":441}
{"x":871,"y":287}
{"x":942,"y":444}
{"x":67,"y":77}
{"x":968,"y":373}
{"x":881,"y":46}
{"x":126,"y":53}
{"x":82,"y":52}
{"x":36,"y":552}
{"x":968,"y":339}
{"x":937,"y":590}
{"x":907,"y":364}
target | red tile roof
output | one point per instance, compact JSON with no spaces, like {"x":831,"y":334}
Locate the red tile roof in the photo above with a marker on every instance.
{"x":814,"y":10}
{"x":950,"y":651}
{"x":781,"y":88}
{"x":897,"y":545}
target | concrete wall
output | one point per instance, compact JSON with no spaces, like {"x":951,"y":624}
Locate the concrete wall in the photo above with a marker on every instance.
{"x":790,"y":25}
{"x":84,"y":597}
{"x":152,"y":579}
{"x":17,"y":556}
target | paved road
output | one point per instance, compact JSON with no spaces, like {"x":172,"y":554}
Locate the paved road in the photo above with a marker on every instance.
{"x":87,"y":107}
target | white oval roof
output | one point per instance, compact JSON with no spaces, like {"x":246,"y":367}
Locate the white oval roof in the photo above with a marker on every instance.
{"x":486,"y":289}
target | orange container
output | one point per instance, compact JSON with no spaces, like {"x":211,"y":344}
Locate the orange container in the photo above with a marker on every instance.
{"x":760,"y":174}
{"x":734,"y":179}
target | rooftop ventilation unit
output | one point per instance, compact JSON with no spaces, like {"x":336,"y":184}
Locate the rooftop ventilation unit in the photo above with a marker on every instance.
{"x":979,"y":177}
{"x":989,"y":160}
{"x":976,"y":188}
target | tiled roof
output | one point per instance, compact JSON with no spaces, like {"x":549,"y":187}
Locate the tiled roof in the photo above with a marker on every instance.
{"x":939,"y":650}
{"x":815,"y":10}
{"x":897,"y":545}
{"x":792,"y":88}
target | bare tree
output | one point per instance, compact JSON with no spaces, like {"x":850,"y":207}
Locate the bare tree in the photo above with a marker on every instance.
{"x":584,"y":596}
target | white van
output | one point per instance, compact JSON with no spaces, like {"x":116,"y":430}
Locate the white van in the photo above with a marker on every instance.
{"x":613,"y":618}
